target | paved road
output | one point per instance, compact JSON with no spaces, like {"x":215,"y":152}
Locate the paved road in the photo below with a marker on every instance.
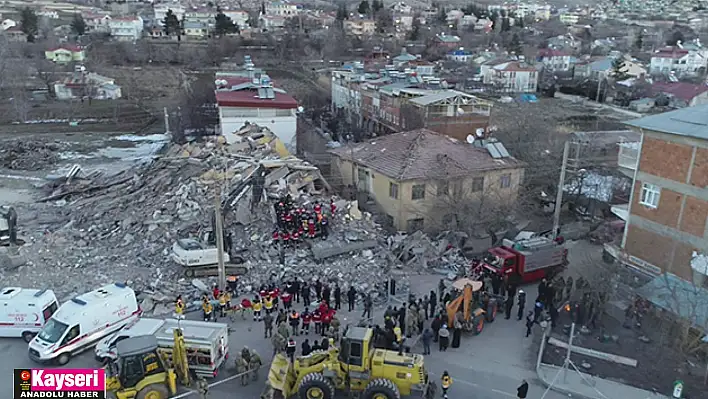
{"x":488,"y":366}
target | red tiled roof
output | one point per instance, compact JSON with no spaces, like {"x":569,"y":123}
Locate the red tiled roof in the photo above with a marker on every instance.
{"x":422,"y":154}
{"x":670,"y":52}
{"x":249,"y":98}
{"x":549,"y":52}
{"x":681,"y":90}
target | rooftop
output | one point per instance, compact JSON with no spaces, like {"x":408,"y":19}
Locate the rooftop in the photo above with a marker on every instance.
{"x":422,"y":154}
{"x":682,"y":90}
{"x":689,"y":122}
{"x":245,"y":95}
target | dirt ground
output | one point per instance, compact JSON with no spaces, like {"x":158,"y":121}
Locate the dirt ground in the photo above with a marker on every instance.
{"x":657,"y":369}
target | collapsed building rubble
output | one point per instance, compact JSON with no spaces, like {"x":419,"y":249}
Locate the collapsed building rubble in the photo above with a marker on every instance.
{"x":96,"y":228}
{"x":30,"y":155}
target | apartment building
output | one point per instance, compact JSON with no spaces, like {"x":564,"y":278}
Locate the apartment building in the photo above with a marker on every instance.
{"x":667,"y":215}
{"x":509,"y":76}
{"x":678,"y":60}
{"x":126,"y":28}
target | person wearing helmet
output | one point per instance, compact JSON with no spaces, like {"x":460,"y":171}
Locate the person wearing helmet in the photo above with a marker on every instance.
{"x":446,"y":382}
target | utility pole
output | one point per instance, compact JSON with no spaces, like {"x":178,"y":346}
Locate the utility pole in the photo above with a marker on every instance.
{"x":167,"y":120}
{"x":559,"y":194}
{"x":219,"y":235}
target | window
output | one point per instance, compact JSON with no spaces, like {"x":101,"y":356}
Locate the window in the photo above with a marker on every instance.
{"x":415,"y":225}
{"x":650,"y":195}
{"x":49,"y":310}
{"x":71,"y":335}
{"x":478,"y":184}
{"x":505,"y":181}
{"x":393,"y":190}
{"x":443,"y":188}
{"x":418,"y":192}
{"x":362,"y":177}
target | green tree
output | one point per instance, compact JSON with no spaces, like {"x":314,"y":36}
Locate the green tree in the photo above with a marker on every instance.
{"x":223,"y":25}
{"x":676,"y":37}
{"x":364,"y":7}
{"x":617,"y":72}
{"x":514,"y":45}
{"x":29,"y":23}
{"x":639,"y":41}
{"x":377,"y":5}
{"x":414,"y":34}
{"x":171,"y":24}
{"x":78,"y":25}
{"x":342,"y":12}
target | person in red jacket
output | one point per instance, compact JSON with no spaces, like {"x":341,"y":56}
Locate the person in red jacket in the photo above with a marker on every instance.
{"x":287,"y":299}
{"x":323,"y":308}
{"x":318,"y":207}
{"x":317,"y":319}
{"x":326,"y":320}
{"x":306,"y":319}
{"x":275,"y":294}
{"x":311,"y":227}
{"x":286,"y":238}
{"x":276,"y":237}
{"x":245,"y":306}
{"x":216,"y":292}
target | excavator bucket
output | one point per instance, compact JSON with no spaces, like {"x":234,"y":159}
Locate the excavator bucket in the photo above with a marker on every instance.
{"x":278,"y":377}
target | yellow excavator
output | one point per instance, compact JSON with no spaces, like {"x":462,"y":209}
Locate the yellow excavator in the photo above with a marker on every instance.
{"x":142,"y":372}
{"x":357,"y":366}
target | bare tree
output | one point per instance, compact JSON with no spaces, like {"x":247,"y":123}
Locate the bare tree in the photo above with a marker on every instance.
{"x":21,"y":103}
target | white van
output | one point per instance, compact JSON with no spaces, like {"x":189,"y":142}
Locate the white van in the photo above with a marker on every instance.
{"x":106,"y":348}
{"x":207,"y":344}
{"x":82,"y":321}
{"x":24,"y":311}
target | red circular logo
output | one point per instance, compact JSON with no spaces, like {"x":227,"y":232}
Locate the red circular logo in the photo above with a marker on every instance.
{"x":25,"y":375}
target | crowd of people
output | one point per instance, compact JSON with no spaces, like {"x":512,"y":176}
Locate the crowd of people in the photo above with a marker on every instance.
{"x":296,"y":223}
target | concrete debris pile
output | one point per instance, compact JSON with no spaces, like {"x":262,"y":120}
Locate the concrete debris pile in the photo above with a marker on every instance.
{"x":22,"y":154}
{"x":90,"y":230}
{"x":441,"y":255}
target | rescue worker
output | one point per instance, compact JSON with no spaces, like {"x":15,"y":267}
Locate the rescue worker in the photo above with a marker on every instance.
{"x":242,"y":369}
{"x":509,"y":304}
{"x":324,"y":230}
{"x":268,"y":325}
{"x":529,"y":323}
{"x":222,"y":303}
{"x":290,"y":349}
{"x":202,"y":388}
{"x":306,"y":319}
{"x":215,"y":292}
{"x":446,"y":382}
{"x":287,"y":299}
{"x":351,"y":297}
{"x":326,"y":321}
{"x":286,"y":239}
{"x":399,"y":339}
{"x":317,"y":208}
{"x":232,"y":282}
{"x":179,"y":307}
{"x":254,"y":364}
{"x":311,"y":227}
{"x":268,"y":304}
{"x":337,"y":297}
{"x":317,"y":319}
{"x":245,"y":305}
{"x":444,"y":337}
{"x":427,"y":338}
{"x":257,"y":306}
{"x":332,"y":207}
{"x":295,"y":322}
{"x":278,"y":342}
{"x":283,"y":329}
{"x":276,"y":237}
{"x":207,"y":310}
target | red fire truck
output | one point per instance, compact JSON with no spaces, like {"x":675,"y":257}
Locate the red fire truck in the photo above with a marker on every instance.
{"x":524,"y":261}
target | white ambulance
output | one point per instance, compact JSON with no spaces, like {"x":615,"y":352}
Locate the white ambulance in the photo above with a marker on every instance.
{"x":82,"y":321}
{"x":24,"y":311}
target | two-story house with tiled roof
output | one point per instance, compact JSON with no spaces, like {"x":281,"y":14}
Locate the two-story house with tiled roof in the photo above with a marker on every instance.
{"x":555,"y":60}
{"x":678,"y":60}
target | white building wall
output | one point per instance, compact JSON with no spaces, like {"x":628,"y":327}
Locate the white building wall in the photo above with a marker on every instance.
{"x":285,"y":127}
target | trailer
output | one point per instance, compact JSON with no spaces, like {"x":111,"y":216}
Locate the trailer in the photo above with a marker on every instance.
{"x":206,"y":343}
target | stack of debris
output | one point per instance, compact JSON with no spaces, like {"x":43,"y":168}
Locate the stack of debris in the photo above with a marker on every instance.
{"x":95,"y":229}
{"x":442,"y":255}
{"x":24,"y":154}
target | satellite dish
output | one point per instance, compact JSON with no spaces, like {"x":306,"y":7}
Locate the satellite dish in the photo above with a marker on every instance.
{"x":480,"y":132}
{"x":470,"y":138}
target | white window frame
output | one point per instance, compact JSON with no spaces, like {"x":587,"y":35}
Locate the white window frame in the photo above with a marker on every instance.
{"x":650,"y":195}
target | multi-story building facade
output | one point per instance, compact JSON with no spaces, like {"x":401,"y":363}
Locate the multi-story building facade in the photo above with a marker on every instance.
{"x":509,"y":76}
{"x":249,"y":96}
{"x":127,"y":28}
{"x":555,"y":60}
{"x":360,"y":27}
{"x":667,"y":215}
{"x":678,"y":60}
{"x":282,"y":9}
{"x":97,"y":22}
{"x":423,"y":180}
{"x":204,"y":16}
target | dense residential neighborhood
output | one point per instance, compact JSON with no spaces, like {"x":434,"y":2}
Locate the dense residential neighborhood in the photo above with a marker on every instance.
{"x":511,"y":197}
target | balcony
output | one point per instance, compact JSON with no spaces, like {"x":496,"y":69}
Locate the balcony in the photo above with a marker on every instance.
{"x":628,"y":158}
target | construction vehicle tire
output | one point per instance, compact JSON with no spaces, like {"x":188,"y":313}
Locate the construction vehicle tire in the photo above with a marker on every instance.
{"x":382,"y":388}
{"x":478,"y":325}
{"x":154,"y":391}
{"x":189,"y":272}
{"x":315,"y":386}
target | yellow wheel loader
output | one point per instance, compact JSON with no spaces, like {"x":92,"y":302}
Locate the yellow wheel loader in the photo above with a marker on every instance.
{"x":356,"y":366}
{"x":141,"y":372}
